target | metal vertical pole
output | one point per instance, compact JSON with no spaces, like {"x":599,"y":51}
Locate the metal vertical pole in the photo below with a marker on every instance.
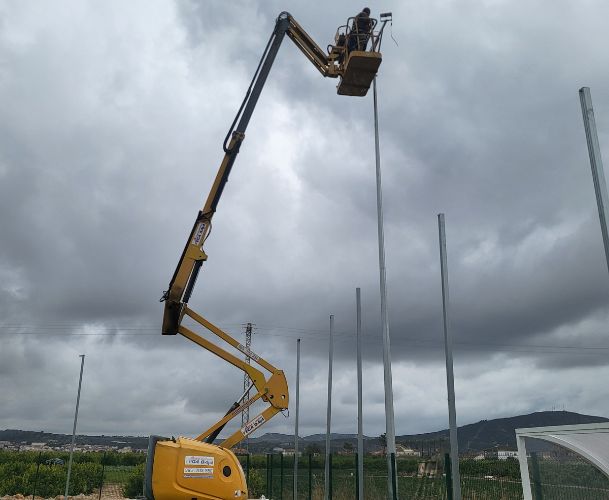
{"x":524,"y":467}
{"x":360,"y":421}
{"x":329,"y":415}
{"x":36,"y":478}
{"x":596,"y":162}
{"x":82,"y":364}
{"x":357,"y":495}
{"x":310,"y":476}
{"x":271,"y":475}
{"x":296,"y":422}
{"x":330,"y":482}
{"x":389,"y":419}
{"x":281,"y":476}
{"x":449,"y":477}
{"x":450,"y":379}
{"x":101,"y":483}
{"x":268,"y":482}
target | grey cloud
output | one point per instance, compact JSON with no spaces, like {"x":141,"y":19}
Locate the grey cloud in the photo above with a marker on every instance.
{"x":113,"y":134}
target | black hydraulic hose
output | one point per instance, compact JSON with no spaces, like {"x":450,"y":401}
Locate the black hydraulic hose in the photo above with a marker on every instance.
{"x":247,"y":94}
{"x":212,"y":437}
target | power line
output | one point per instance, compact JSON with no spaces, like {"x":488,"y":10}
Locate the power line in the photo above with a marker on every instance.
{"x":50,"y":330}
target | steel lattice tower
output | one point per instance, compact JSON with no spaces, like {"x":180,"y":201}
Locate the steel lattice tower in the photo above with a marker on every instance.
{"x":245,"y":414}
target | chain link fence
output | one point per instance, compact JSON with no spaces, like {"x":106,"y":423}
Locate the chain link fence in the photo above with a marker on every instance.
{"x":555,"y":475}
{"x":42,"y":475}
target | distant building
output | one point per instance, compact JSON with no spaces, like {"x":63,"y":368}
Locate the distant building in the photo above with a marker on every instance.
{"x":427,"y":468}
{"x":404,"y":451}
{"x":290,"y":453}
{"x":505,"y":454}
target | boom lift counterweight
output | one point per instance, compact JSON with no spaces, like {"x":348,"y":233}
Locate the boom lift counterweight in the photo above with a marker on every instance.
{"x":196,"y":469}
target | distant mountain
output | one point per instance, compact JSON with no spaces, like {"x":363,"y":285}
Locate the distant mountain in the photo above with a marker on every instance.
{"x":483,"y":435}
{"x":488,"y":434}
{"x":28,"y":437}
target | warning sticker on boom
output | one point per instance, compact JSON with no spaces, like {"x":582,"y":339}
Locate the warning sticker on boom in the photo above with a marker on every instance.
{"x":248,"y":352}
{"x":198,"y":236}
{"x":252,"y":425}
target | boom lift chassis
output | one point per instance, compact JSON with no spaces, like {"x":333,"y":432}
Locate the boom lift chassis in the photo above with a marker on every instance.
{"x":196,"y":469}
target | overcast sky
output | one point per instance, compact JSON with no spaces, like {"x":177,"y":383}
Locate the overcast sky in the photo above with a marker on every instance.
{"x":112,"y":121}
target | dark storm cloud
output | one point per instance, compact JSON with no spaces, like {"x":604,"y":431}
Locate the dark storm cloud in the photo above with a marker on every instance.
{"x":114,"y":119}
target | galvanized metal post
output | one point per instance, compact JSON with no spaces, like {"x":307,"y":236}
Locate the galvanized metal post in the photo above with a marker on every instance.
{"x":449,"y":478}
{"x":389,"y":418}
{"x":296,"y":422}
{"x":327,"y":478}
{"x":360,"y":420}
{"x":596,"y":162}
{"x":448,"y":348}
{"x":82,"y":364}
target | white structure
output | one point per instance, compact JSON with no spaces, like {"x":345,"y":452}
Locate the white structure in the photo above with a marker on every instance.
{"x":405,"y":451}
{"x":591,"y":441}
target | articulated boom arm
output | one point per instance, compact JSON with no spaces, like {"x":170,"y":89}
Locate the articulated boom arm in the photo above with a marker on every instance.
{"x":356,"y":82}
{"x":273,"y":391}
{"x":327,"y":65}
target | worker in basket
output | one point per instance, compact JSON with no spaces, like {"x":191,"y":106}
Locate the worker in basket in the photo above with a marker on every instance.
{"x":360,"y":30}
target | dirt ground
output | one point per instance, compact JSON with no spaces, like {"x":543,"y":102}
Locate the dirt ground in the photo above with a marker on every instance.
{"x":109,"y":492}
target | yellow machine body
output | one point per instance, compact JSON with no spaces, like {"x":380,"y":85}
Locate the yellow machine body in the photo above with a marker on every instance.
{"x":186,"y":469}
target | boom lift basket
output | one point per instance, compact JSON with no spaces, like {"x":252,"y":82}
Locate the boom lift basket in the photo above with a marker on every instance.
{"x":360,"y":69}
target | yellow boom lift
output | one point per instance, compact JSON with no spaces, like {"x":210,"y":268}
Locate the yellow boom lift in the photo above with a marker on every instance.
{"x":198,"y":469}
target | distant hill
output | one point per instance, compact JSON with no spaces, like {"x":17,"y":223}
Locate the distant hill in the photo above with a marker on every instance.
{"x":483,"y":435}
{"x":28,"y":437}
{"x":488,"y":434}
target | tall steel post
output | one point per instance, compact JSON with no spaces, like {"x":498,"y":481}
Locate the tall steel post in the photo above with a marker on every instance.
{"x":296,"y":420}
{"x":360,"y":420}
{"x":450,"y":380}
{"x":392,"y":489}
{"x":596,"y":162}
{"x":82,"y":364}
{"x":327,"y":485}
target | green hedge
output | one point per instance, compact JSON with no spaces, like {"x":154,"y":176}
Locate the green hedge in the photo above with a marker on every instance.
{"x":48,"y":480}
{"x":21,"y":472}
